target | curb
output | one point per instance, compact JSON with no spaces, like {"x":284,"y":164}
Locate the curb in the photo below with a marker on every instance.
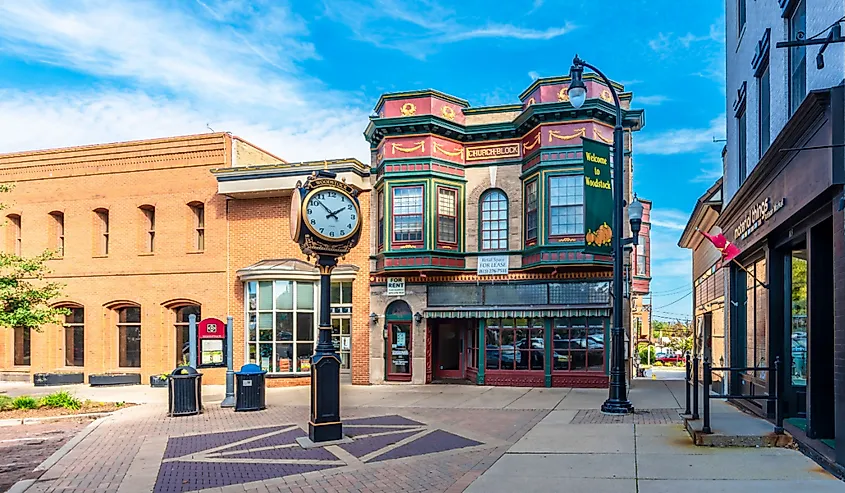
{"x":67,"y":447}
{"x":32,"y":421}
{"x":21,"y":486}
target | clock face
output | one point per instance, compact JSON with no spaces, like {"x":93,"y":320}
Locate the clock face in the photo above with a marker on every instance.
{"x":331,"y":214}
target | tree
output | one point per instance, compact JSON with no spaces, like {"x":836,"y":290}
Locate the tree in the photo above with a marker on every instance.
{"x":24,"y":295}
{"x":681,"y":344}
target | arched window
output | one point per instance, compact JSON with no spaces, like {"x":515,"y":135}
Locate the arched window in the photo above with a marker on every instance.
{"x":101,"y":225}
{"x":494,"y":220}
{"x":182,"y":326}
{"x":129,"y":336}
{"x":74,"y":328}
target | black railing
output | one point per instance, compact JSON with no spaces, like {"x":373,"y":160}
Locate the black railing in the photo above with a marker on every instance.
{"x":691,"y":386}
{"x":708,"y":380}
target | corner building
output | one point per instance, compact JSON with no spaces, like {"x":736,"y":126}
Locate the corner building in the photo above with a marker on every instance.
{"x":149,"y":232}
{"x":480,"y":266}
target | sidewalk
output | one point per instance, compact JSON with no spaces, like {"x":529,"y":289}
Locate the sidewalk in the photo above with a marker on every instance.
{"x":643,"y":454}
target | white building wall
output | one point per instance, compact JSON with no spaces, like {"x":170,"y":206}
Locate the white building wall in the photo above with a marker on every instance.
{"x":740,"y":48}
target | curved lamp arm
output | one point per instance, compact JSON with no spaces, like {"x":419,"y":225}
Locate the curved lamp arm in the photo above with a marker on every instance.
{"x":579,"y":62}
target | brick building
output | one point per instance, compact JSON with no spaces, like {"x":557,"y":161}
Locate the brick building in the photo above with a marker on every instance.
{"x":484,"y":267}
{"x":149,"y":232}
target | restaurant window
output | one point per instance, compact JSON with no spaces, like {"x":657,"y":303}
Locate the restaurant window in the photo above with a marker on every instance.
{"x":149,"y":224}
{"x":408,"y":215}
{"x":578,"y":344}
{"x":198,"y":226}
{"x":380,"y":208}
{"x":23,"y":346}
{"x":341,"y":307}
{"x":566,"y":205}
{"x":764,"y":109}
{"x":182,"y":331}
{"x":101,"y":218}
{"x":129,"y":336}
{"x":494,"y":220}
{"x":57,"y":232}
{"x":531,"y":223}
{"x":281,"y":325}
{"x":514,"y":344}
{"x":472,"y":349}
{"x":742,"y":141}
{"x":447,"y":216}
{"x":14,"y":240}
{"x":797,"y":57}
{"x":74,"y":327}
{"x":756,"y":324}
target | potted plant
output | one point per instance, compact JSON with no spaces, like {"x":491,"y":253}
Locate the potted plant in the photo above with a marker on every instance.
{"x":58,"y":378}
{"x":159,"y":380}
{"x":114,"y":379}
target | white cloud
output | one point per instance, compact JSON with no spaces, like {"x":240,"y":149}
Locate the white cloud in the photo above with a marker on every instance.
{"x":710,"y":171}
{"x":534,"y":75}
{"x":178,"y":70}
{"x":683,"y":140}
{"x":655,"y":100}
{"x":669,"y":218}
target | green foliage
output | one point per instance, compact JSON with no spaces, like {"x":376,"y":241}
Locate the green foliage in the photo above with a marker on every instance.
{"x":120,"y":404}
{"x":681,"y":344}
{"x":5,"y":402}
{"x":24,"y":402}
{"x":61,"y":399}
{"x":644,"y":359}
{"x":24,"y":295}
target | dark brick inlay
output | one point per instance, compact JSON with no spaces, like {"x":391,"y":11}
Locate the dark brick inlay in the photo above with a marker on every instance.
{"x":176,"y":477}
{"x":367,"y":430}
{"x":640,"y":417}
{"x":271,"y":441}
{"x":179,"y":446}
{"x":286,"y":453}
{"x":436,"y":441}
{"x":391,"y":420}
{"x":363,"y":446}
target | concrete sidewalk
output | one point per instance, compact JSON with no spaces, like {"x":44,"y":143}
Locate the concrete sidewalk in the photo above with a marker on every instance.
{"x":649,"y":452}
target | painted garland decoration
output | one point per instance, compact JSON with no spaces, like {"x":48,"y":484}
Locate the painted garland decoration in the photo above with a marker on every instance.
{"x":409,"y":109}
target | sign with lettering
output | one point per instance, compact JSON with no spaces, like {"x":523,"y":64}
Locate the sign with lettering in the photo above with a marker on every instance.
{"x":211,"y":328}
{"x":395,"y":286}
{"x":492,"y":265}
{"x":598,"y":198}
{"x":211,"y":338}
{"x":494,"y":151}
{"x":756,"y":216}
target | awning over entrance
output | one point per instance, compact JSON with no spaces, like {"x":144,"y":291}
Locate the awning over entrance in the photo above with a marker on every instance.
{"x":517,"y":312}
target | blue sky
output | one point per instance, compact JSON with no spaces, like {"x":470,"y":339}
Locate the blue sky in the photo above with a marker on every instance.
{"x":300,"y":77}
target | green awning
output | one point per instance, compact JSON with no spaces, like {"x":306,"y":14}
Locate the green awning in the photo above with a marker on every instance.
{"x":518,"y":313}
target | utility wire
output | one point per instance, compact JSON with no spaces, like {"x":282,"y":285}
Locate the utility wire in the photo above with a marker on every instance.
{"x":673,"y":290}
{"x":827,"y":28}
{"x":672,"y":303}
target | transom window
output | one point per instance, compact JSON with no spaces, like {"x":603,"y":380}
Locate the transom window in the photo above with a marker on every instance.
{"x":578,"y":344}
{"x":531,"y":210}
{"x":494,"y":220}
{"x":514,"y":344}
{"x":75,"y":337}
{"x":567,"y":205}
{"x":447,"y":215}
{"x":281,"y":325}
{"x":408,"y":214}
{"x":129,"y":337}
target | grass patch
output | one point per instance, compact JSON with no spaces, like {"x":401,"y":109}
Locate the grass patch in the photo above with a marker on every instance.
{"x":60,"y":399}
{"x":24,"y":402}
{"x":5,"y":402}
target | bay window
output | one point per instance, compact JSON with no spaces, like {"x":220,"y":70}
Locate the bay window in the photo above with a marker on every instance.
{"x":408,"y":215}
{"x":447,"y":216}
{"x":566,"y":205}
{"x":531,"y":223}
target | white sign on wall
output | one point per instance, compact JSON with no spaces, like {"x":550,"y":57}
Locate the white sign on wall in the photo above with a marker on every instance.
{"x":493,"y":265}
{"x":395,"y":286}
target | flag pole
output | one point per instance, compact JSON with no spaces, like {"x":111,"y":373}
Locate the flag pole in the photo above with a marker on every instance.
{"x":764,"y":285}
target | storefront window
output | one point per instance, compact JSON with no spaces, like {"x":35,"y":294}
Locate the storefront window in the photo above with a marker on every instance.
{"x":756,"y":324}
{"x":472,"y":349}
{"x":341,"y":305}
{"x":280,"y":325}
{"x":799,"y":317}
{"x":515,"y":344}
{"x":578,"y":344}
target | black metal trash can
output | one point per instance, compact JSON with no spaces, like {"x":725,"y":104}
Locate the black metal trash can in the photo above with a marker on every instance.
{"x":249,"y":395}
{"x":185,"y":391}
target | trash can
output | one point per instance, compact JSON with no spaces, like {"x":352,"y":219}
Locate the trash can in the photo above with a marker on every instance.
{"x":185,"y":391}
{"x":249,"y":395}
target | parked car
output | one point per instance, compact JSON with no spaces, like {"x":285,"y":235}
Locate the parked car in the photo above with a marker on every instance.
{"x":675,"y":358}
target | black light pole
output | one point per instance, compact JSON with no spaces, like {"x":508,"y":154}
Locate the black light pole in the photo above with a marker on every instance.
{"x":617,"y":402}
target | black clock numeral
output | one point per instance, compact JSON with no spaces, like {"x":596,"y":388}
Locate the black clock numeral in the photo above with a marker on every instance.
{"x":342,"y":232}
{"x":352,"y":217}
{"x":332,"y":194}
{"x":349,"y":226}
{"x":331,"y":234}
{"x":349,"y":207}
{"x":321,"y":229}
{"x":313,"y":221}
{"x":310,"y":211}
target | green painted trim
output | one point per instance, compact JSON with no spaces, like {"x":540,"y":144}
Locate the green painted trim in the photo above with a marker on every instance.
{"x":504,"y":108}
{"x":482,"y":351}
{"x":549,"y":342}
{"x":419,"y":94}
{"x":388,"y":211}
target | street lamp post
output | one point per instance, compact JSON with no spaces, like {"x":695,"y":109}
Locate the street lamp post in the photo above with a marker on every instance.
{"x":617,"y":401}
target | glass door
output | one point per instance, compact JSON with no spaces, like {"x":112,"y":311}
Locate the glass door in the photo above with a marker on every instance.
{"x":399,"y":355}
{"x":798,"y":329}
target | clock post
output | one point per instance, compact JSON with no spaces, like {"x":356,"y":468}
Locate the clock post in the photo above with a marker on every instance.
{"x":326,"y":223}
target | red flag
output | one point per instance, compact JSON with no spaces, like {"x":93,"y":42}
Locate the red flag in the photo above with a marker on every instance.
{"x":728,"y":250}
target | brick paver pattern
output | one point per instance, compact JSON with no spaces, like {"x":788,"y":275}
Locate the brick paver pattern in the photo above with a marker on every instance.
{"x":640,"y":417}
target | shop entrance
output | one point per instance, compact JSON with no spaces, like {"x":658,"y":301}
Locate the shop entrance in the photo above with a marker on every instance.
{"x":448,"y":350}
{"x":398,"y":357}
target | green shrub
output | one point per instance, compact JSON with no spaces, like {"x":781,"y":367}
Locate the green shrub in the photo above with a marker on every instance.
{"x":5,"y":402}
{"x":61,"y":399}
{"x":24,"y":402}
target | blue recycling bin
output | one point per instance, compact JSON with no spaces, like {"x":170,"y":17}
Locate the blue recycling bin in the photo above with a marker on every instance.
{"x":249,"y":395}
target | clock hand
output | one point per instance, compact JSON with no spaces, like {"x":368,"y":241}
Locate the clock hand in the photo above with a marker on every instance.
{"x":334,"y":214}
{"x":326,"y":208}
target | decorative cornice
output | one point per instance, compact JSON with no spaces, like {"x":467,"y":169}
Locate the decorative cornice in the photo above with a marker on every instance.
{"x":420,"y":94}
{"x":548,"y":81}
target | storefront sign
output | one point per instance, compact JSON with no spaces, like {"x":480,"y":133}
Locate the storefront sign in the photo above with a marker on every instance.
{"x":598,"y":198}
{"x":395,"y":286}
{"x":493,"y":265}
{"x":756,"y":216}
{"x":496,"y":151}
{"x":211,"y":336}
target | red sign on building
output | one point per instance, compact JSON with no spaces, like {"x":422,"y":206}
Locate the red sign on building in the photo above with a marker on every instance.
{"x":211,"y":328}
